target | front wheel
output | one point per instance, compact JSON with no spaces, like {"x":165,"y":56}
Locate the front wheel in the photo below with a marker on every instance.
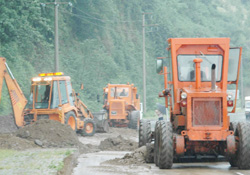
{"x":165,"y":145}
{"x":70,"y":119}
{"x":89,"y":127}
{"x":243,"y":153}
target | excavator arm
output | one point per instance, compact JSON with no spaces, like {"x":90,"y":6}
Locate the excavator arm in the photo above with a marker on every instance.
{"x":17,"y":97}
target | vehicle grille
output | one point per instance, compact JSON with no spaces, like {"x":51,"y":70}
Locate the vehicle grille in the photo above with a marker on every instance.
{"x":116,"y":108}
{"x":206,"y":111}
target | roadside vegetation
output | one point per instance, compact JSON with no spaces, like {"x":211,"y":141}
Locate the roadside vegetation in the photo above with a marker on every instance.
{"x":36,"y":161}
{"x":101,"y":40}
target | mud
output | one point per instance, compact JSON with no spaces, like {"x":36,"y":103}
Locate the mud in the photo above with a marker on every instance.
{"x":117,"y":144}
{"x":10,"y":141}
{"x":49,"y":133}
{"x":44,"y":134}
{"x":137,"y":157}
{"x":7,"y":124}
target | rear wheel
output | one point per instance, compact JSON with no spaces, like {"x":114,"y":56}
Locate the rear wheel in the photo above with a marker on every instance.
{"x":144,"y":132}
{"x":243,"y":153}
{"x":70,"y":119}
{"x":89,"y":127}
{"x":165,"y":146}
{"x":156,"y":140}
{"x":134,"y":120}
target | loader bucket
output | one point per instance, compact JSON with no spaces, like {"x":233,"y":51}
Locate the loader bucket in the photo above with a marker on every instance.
{"x":101,"y":121}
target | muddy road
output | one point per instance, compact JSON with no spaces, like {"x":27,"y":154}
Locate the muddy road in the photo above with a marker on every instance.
{"x":94,"y":164}
{"x":106,"y":162}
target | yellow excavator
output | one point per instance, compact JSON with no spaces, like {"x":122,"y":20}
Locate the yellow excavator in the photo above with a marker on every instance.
{"x":51,"y":97}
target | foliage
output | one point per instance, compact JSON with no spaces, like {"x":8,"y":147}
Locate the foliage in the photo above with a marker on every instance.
{"x":101,"y":40}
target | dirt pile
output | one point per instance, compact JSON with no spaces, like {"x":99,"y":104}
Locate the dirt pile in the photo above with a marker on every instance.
{"x":118,"y":144}
{"x":136,"y":157}
{"x":49,"y":133}
{"x":7,"y":124}
{"x":10,"y":141}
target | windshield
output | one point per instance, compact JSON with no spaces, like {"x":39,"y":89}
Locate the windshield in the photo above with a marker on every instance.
{"x":42,"y":96}
{"x":186,"y":67}
{"x":119,"y":92}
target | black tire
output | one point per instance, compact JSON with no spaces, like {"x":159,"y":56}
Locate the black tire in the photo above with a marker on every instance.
{"x":156,"y":140}
{"x":144,"y":132}
{"x":134,"y":120}
{"x":88,"y":122}
{"x":149,"y":157}
{"x":243,"y":153}
{"x":165,"y":146}
{"x":69,"y":119}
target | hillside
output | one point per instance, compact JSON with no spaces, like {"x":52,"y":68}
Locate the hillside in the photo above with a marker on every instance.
{"x":101,"y":40}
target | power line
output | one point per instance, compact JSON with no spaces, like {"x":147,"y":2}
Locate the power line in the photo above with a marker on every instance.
{"x":107,"y":20}
{"x":86,"y":20}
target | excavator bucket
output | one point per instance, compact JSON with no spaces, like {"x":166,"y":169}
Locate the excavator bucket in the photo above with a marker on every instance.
{"x":101,"y":121}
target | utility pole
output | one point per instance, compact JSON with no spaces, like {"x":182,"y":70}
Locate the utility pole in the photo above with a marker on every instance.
{"x":56,"y":39}
{"x":56,"y":4}
{"x":144,"y":64}
{"x":144,"y":61}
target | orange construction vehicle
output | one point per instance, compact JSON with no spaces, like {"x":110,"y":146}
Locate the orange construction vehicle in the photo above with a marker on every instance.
{"x":51,"y":97}
{"x":122,"y":105}
{"x":197,"y":74}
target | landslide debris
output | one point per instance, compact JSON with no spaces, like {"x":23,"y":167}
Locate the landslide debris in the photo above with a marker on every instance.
{"x":137,"y":157}
{"x":44,"y":133}
{"x":49,"y":133}
{"x":10,"y":141}
{"x":7,"y":124}
{"x":118,"y":144}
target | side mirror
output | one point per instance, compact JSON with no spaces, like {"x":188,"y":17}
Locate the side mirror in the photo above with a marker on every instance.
{"x":159,"y":66}
{"x":137,"y":96}
{"x":98,"y":98}
{"x":82,"y":87}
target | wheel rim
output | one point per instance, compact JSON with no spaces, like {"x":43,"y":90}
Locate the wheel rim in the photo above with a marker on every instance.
{"x":72,"y":123}
{"x":89,"y":128}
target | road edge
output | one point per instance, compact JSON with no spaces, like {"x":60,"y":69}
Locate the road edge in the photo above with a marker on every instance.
{"x":69,"y":163}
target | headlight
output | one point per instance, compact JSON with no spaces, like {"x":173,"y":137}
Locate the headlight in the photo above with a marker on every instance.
{"x":36,"y":79}
{"x":47,"y":79}
{"x":183,"y":95}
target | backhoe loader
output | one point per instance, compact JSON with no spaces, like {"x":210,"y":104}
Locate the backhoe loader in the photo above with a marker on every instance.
{"x":51,"y":97}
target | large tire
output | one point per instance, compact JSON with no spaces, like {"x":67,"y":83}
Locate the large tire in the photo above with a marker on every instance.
{"x":156,"y":140}
{"x":144,"y":132}
{"x":165,"y":146}
{"x":70,"y":119}
{"x":243,"y":153}
{"x":89,"y":127}
{"x":134,"y":120}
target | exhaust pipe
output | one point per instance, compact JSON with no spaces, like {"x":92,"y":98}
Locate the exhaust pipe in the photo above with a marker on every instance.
{"x":213,"y":80}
